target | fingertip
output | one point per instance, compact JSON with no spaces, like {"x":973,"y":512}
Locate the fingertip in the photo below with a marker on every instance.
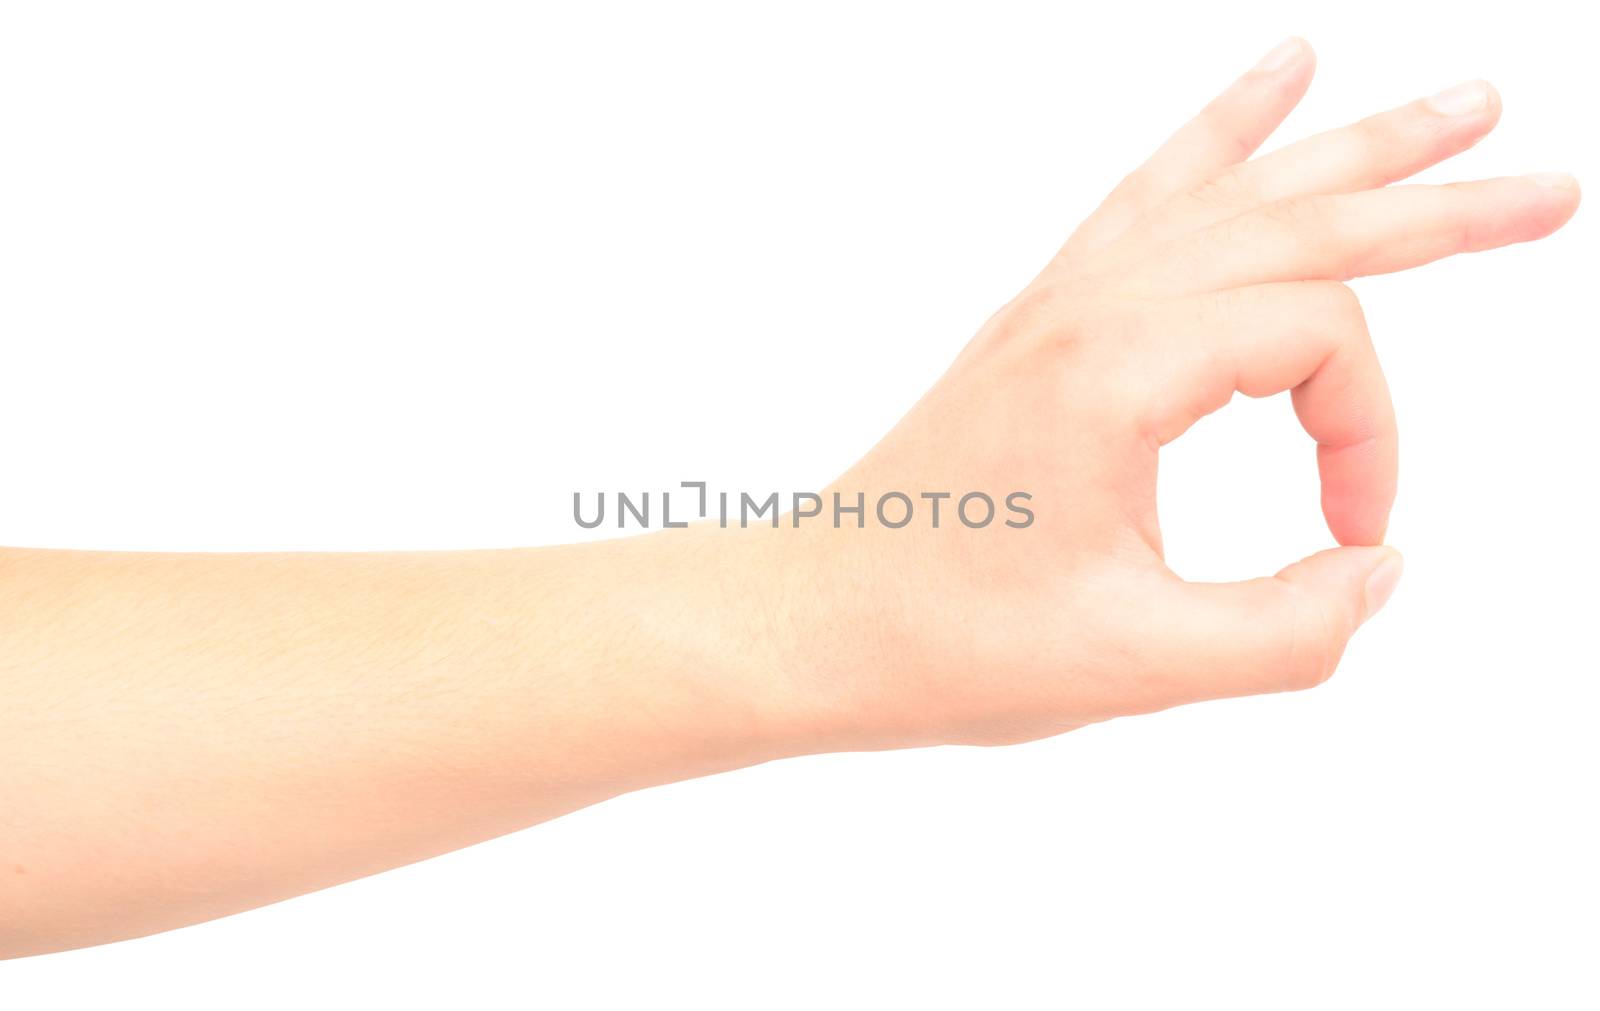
{"x":1381,"y":582}
{"x":1496,"y":106}
{"x":1351,"y":583}
{"x":1360,"y":579}
{"x":1286,"y":71}
{"x":1560,"y":182}
{"x":1305,"y":56}
{"x":1563,"y":182}
{"x":1490,"y":213}
{"x":1472,"y":99}
{"x":1308,"y":62}
{"x":1289,"y":53}
{"x":1558,"y":199}
{"x":1489,"y":118}
{"x":1459,"y":117}
{"x":1357,"y":528}
{"x":1359,"y":483}
{"x":1357,"y":510}
{"x":1336,"y":570}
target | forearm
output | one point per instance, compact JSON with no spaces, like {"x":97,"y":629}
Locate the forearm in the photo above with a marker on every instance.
{"x":190,"y":735}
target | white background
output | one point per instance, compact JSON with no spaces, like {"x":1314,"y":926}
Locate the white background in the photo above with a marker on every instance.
{"x":399,"y":275}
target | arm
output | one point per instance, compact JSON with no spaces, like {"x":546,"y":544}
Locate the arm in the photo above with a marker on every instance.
{"x":186,"y":736}
{"x":191,"y":735}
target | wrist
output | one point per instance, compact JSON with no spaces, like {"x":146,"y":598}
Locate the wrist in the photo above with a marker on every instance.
{"x":743,"y":640}
{"x":827,"y":642}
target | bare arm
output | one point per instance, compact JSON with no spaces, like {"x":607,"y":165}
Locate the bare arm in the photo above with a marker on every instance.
{"x":184,"y":736}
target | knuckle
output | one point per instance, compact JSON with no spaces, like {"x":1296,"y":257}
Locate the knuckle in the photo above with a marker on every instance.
{"x":1220,"y":192}
{"x":1137,"y":187}
{"x":1296,"y":214}
{"x":1339,"y":303}
{"x":1374,"y":135}
{"x":1043,"y":314}
{"x":1318,"y":222}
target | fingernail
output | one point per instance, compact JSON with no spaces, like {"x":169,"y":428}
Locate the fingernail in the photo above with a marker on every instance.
{"x":1461,"y":100}
{"x":1381,"y":583}
{"x":1553,"y":180}
{"x":1285,"y":53}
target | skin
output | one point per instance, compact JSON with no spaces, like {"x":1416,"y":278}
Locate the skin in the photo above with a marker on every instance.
{"x":187,"y":736}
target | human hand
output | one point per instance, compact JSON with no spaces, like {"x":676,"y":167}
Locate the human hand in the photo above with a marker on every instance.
{"x":194,"y":734}
{"x":1200,"y":275}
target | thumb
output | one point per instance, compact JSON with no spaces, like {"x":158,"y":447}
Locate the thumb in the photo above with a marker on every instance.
{"x":1287,"y":631}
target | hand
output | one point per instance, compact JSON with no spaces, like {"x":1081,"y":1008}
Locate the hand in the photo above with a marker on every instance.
{"x":1201,"y":274}
{"x":190,"y":735}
